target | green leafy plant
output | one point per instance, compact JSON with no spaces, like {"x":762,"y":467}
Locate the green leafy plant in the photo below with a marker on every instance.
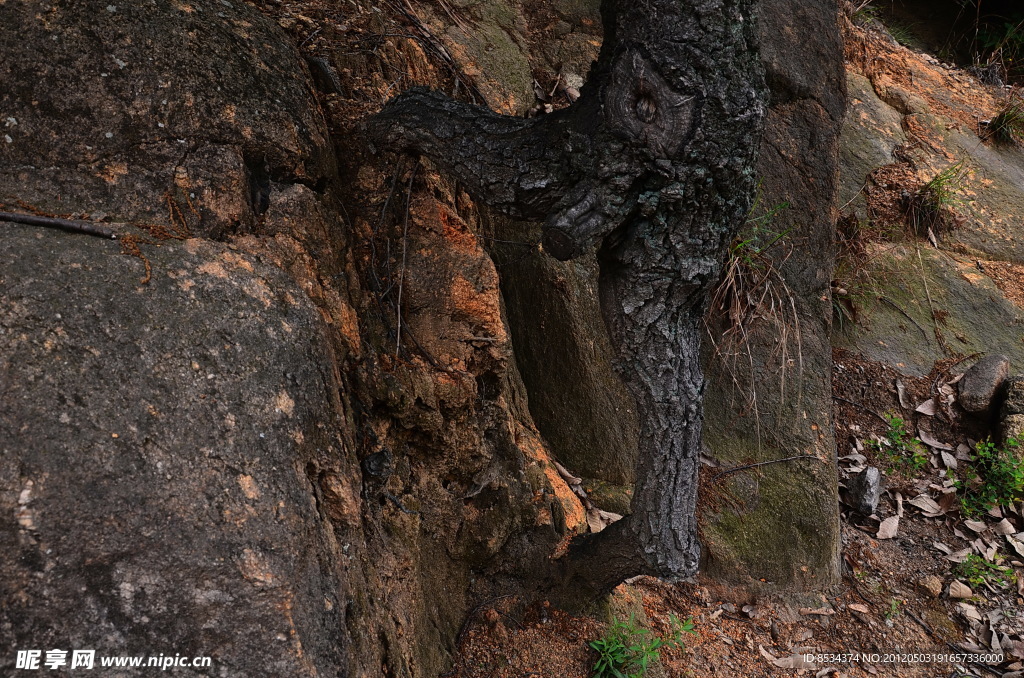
{"x":935,"y":204}
{"x":977,"y":571}
{"x":626,"y":650}
{"x":901,"y":447}
{"x":901,"y":32}
{"x":865,"y":13}
{"x":893,"y":610}
{"x":994,"y":478}
{"x":1008,"y":126}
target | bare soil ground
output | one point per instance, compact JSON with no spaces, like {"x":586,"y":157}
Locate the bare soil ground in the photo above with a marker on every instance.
{"x":895,"y":602}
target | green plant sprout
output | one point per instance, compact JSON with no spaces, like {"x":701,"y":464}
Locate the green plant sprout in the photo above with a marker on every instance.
{"x":931,"y":204}
{"x":900,"y":446}
{"x":626,"y":650}
{"x":1008,"y":126}
{"x":995,"y":477}
{"x":977,"y":571}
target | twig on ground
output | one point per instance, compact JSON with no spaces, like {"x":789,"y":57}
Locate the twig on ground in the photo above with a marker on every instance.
{"x":928,"y":295}
{"x":401,"y":507}
{"x":71,"y":225}
{"x":762,"y":463}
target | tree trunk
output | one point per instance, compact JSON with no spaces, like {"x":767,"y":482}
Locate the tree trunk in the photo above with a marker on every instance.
{"x":653,"y":164}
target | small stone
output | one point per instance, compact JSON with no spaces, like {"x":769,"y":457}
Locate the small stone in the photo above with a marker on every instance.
{"x":864,"y":491}
{"x":931,"y":585}
{"x":980,"y":384}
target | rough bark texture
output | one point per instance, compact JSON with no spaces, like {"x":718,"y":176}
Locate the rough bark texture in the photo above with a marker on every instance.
{"x":785,"y":529}
{"x":654,"y":162}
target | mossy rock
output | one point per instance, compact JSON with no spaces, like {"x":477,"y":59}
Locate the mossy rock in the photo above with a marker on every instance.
{"x":609,"y":496}
{"x":971,"y":315}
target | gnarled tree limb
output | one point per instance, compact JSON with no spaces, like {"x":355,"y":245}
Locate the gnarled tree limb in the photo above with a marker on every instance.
{"x":653,"y":164}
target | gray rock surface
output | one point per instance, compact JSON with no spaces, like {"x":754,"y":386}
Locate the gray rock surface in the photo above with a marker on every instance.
{"x":786,"y":530}
{"x":155,"y":492}
{"x":1011,"y":415}
{"x":931,"y":585}
{"x":204,"y":103}
{"x":864,"y":491}
{"x":980,"y":386}
{"x":871,"y":131}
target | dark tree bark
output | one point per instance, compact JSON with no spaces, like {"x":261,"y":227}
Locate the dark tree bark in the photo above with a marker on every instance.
{"x":654,"y":165}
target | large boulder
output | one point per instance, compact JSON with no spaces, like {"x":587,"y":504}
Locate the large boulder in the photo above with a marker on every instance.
{"x":160,"y":446}
{"x":221,"y":449}
{"x":770,"y":397}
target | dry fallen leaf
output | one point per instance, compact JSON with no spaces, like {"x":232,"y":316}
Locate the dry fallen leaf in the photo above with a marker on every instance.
{"x":948,"y":460}
{"x":947,"y":501}
{"x":887,"y":530}
{"x":925,"y":503}
{"x":958,"y":589}
{"x":969,"y":612}
{"x":598,"y":519}
{"x":901,"y":391}
{"x":857,"y":607}
{"x":929,"y":440}
{"x":568,"y":477}
{"x":1004,"y":527}
{"x":927,"y":407}
{"x":795,"y":661}
{"x":976,"y":525}
{"x":959,"y":556}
